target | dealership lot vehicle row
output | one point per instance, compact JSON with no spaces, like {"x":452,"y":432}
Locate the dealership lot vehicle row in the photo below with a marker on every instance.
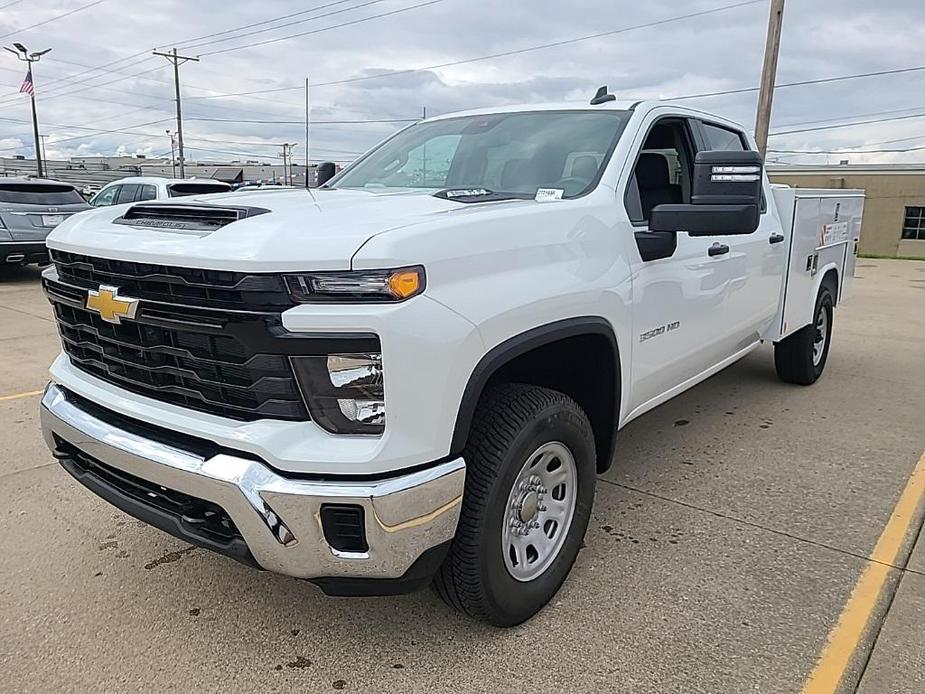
{"x":723,"y":547}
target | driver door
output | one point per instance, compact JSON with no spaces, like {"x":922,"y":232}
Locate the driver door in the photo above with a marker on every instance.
{"x":680,"y":300}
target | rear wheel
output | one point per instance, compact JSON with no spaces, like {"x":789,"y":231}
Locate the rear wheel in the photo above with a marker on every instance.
{"x":530,"y":473}
{"x":801,"y":357}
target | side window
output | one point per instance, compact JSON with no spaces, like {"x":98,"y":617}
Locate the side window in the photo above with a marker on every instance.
{"x":718,"y":137}
{"x":127,"y":194}
{"x":146,"y":192}
{"x":107,"y":197}
{"x":663,"y":170}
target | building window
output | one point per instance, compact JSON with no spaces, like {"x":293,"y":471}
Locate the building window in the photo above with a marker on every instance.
{"x":914,"y":223}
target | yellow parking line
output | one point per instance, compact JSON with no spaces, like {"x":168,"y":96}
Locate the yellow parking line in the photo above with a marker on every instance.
{"x":17,"y":396}
{"x":844,"y":639}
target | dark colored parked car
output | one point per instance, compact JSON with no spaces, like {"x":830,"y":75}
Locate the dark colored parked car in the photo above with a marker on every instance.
{"x":29,"y":209}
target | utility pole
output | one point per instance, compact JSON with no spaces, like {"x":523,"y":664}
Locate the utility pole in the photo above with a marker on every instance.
{"x":287,"y":162}
{"x":177,"y":61}
{"x":28,"y":86}
{"x":173,"y":153}
{"x":284,"y":146}
{"x":768,"y":75}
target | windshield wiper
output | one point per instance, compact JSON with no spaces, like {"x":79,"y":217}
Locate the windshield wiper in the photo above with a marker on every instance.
{"x":478,"y":195}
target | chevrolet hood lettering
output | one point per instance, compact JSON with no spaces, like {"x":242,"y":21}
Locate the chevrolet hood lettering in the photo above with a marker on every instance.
{"x":112,"y":307}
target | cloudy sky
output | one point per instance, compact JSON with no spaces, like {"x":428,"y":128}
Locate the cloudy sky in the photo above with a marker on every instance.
{"x":649,"y":50}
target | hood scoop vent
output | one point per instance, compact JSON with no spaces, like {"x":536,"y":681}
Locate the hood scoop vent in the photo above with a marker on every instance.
{"x":186,"y":218}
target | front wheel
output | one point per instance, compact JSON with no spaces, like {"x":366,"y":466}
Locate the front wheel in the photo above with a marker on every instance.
{"x":530,"y":473}
{"x":800,"y":358}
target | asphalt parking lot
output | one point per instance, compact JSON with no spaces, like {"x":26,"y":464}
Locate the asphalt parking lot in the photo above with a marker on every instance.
{"x":729,"y":551}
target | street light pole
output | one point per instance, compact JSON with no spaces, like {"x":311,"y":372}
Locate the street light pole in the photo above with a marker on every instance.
{"x":173,"y":153}
{"x":177,"y":61}
{"x":768,"y":75}
{"x":23,"y":54}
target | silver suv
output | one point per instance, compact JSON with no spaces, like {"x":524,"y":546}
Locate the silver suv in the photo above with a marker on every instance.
{"x":29,"y":209}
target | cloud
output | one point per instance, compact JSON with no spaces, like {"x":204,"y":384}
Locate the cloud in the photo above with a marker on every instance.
{"x":713,"y":52}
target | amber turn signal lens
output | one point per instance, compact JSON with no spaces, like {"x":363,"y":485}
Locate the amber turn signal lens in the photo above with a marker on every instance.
{"x":405,"y":283}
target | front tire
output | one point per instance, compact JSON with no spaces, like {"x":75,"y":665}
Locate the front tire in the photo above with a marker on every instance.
{"x":530,"y":474}
{"x":800,"y":358}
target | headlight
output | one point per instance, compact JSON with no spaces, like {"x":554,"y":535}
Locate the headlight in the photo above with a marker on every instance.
{"x":357,"y":285}
{"x":343,"y":392}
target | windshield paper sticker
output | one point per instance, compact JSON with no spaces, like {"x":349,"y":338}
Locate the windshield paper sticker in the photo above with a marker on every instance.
{"x":547,"y":194}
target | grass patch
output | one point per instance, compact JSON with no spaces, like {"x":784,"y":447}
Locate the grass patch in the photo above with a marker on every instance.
{"x":879,"y":256}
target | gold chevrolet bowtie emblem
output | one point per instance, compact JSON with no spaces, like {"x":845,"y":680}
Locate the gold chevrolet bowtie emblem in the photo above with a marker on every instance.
{"x":111,"y":307}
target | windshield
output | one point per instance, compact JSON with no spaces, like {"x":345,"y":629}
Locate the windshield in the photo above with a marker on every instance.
{"x":502,"y":152}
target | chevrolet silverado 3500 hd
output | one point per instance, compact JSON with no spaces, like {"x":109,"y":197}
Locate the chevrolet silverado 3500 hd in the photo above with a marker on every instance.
{"x":415,"y":372}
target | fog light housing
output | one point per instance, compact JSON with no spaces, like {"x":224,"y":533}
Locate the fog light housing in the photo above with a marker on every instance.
{"x":344,"y":392}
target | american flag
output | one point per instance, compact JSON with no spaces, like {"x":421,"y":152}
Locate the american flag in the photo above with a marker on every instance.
{"x":26,"y":87}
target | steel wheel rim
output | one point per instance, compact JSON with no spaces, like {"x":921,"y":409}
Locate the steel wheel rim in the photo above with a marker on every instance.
{"x":822,"y":328}
{"x":539,"y":511}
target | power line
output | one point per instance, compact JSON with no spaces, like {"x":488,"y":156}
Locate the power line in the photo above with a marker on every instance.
{"x":856,"y":115}
{"x":103,"y":67}
{"x":254,"y":24}
{"x":70,"y":78}
{"x":314,"y":122}
{"x":93,"y":131}
{"x":10,"y":4}
{"x":846,"y":125}
{"x":503,"y":54}
{"x":335,"y":26}
{"x":801,"y":83}
{"x":54,"y":94}
{"x":287,"y":24}
{"x":848,"y":151}
{"x":52,"y":19}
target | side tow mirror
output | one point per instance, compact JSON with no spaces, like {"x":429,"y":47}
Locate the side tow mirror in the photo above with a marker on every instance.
{"x":725,"y":197}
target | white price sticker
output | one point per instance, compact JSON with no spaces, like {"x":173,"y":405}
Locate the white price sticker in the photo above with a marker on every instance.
{"x":548,"y":194}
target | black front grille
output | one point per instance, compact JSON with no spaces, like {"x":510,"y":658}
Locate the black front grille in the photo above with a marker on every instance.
{"x":227,"y":363}
{"x":175,"y":285}
{"x":215,"y":373}
{"x":200,"y":519}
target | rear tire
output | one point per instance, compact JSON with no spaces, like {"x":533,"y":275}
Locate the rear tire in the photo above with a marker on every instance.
{"x":800,"y":358}
{"x":530,"y":475}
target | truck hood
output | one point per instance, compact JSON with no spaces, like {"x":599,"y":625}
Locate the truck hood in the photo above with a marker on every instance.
{"x":298,"y":233}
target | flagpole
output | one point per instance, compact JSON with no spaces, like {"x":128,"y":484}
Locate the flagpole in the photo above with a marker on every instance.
{"x":35,"y":129}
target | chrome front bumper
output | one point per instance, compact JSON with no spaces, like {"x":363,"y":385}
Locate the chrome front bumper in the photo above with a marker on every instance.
{"x":279,"y":518}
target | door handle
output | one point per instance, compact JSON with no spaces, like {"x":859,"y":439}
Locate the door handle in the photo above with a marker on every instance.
{"x":718,"y":249}
{"x":776,"y":238}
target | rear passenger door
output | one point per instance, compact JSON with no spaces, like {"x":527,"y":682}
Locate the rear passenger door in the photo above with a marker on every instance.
{"x":127,"y":193}
{"x":758,"y":258}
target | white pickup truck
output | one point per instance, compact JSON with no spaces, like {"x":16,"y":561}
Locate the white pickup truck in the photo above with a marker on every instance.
{"x":415,"y":372}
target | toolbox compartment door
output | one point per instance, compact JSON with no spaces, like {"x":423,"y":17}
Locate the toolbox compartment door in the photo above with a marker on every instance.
{"x":821,"y":228}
